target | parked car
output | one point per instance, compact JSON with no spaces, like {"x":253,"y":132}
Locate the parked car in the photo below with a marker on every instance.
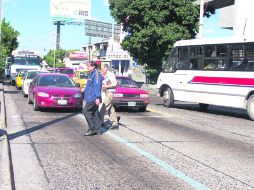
{"x":65,"y":70}
{"x":80,"y":77}
{"x":54,"y":90}
{"x":29,"y":76}
{"x":19,"y":79}
{"x":127,"y":94}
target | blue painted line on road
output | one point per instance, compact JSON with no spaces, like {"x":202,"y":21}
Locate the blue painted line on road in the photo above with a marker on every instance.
{"x":167,"y":167}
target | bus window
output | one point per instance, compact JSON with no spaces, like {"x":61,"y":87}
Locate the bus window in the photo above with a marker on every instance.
{"x":171,"y":61}
{"x":249,"y":56}
{"x":195,"y":57}
{"x":221,"y":51}
{"x":210,"y":51}
{"x":183,"y":59}
{"x":237,"y":62}
{"x":215,"y":57}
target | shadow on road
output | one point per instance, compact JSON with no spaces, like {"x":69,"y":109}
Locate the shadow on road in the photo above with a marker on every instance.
{"x":11,"y":92}
{"x":212,"y":109}
{"x":38,"y":127}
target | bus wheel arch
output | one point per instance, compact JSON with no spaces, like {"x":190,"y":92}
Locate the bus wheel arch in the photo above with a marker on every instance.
{"x":250,"y":106}
{"x":168,"y":97}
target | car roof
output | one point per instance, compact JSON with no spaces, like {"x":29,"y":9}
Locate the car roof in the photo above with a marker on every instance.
{"x":52,"y":74}
{"x":64,"y":68}
{"x":82,"y":70}
{"x":37,"y":70}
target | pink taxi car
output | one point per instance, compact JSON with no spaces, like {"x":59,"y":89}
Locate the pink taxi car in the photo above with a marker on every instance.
{"x":127,"y":94}
{"x":54,"y":90}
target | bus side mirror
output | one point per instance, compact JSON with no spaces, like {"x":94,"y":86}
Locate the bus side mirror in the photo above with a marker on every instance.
{"x":77,"y":85}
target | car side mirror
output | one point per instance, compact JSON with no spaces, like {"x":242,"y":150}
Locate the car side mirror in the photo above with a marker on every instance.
{"x":77,"y":85}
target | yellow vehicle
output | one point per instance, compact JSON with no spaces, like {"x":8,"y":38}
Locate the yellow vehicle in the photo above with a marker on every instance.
{"x":19,"y":79}
{"x":80,"y":77}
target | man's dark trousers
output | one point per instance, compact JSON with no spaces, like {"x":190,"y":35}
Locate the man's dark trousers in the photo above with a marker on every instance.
{"x":92,"y":116}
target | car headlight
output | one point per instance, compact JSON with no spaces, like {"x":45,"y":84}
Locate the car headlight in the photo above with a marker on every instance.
{"x":77,"y":95}
{"x":43,"y":94}
{"x":144,"y":96}
{"x":118,"y":95}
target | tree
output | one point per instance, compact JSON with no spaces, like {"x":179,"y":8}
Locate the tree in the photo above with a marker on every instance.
{"x":8,"y":43}
{"x":59,"y":56}
{"x":154,"y":26}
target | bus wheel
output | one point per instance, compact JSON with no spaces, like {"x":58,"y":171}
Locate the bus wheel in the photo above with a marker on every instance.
{"x":168,"y":98}
{"x":250,"y":107}
{"x":203,"y":106}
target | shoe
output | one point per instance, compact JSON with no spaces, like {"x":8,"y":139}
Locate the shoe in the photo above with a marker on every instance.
{"x":99,"y":132}
{"x":114,"y":126}
{"x":90,"y":133}
{"x":118,"y":119}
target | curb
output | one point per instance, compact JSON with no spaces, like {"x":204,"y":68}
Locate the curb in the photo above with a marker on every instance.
{"x":7,"y":176}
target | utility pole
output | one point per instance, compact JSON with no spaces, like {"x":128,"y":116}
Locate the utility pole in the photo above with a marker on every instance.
{"x":89,"y":49}
{"x":58,"y":29}
{"x":201,"y":19}
{"x":0,"y":29}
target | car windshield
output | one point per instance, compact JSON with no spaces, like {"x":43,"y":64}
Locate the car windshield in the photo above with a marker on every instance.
{"x":126,"y":82}
{"x":31,"y":75}
{"x":60,"y":81}
{"x":84,"y":75}
{"x":65,"y":71}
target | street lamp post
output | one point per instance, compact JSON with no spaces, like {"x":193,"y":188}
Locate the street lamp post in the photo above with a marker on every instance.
{"x":201,"y":19}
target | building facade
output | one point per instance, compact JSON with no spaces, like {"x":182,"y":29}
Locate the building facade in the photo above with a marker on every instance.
{"x":236,"y":15}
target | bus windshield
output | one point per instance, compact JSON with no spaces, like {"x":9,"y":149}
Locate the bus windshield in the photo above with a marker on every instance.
{"x":26,"y":61}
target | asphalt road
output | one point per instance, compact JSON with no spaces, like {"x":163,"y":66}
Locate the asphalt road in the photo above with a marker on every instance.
{"x":176,"y":148}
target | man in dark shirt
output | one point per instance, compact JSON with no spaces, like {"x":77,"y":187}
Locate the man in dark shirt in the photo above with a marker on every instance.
{"x":92,"y":97}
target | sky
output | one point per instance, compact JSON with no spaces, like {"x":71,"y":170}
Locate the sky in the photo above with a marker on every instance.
{"x":32,"y":19}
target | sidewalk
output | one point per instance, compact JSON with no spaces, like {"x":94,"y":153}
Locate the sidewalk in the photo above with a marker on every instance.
{"x":5,"y":162}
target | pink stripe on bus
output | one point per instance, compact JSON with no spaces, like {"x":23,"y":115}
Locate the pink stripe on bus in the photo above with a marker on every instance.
{"x":223,"y":80}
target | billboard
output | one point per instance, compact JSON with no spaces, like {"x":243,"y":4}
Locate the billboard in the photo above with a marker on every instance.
{"x":70,"y":10}
{"x":98,"y":29}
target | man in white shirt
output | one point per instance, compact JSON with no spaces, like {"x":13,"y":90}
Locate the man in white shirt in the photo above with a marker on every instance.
{"x":109,"y":86}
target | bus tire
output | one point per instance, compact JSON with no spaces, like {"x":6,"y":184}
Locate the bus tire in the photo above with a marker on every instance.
{"x":203,"y":106}
{"x":250,"y":107}
{"x":168,"y":98}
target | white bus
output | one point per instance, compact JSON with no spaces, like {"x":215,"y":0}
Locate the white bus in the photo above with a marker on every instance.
{"x":210,"y":71}
{"x":22,"y":60}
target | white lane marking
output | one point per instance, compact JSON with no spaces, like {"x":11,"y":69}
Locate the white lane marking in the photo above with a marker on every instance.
{"x":166,"y":166}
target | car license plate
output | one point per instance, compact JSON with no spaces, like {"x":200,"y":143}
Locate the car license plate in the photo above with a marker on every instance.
{"x":131,"y":103}
{"x":62,"y":102}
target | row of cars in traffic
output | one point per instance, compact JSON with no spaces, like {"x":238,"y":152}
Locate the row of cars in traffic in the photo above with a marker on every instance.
{"x":63,"y":88}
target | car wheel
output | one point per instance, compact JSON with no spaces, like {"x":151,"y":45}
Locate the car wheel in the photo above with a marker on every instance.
{"x":203,"y":106}
{"x":250,"y":107}
{"x":168,"y":98}
{"x":142,"y":109}
{"x":28,"y":99}
{"x":23,"y":93}
{"x":79,"y":109}
{"x":117,"y":108}
{"x":36,"y":107}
